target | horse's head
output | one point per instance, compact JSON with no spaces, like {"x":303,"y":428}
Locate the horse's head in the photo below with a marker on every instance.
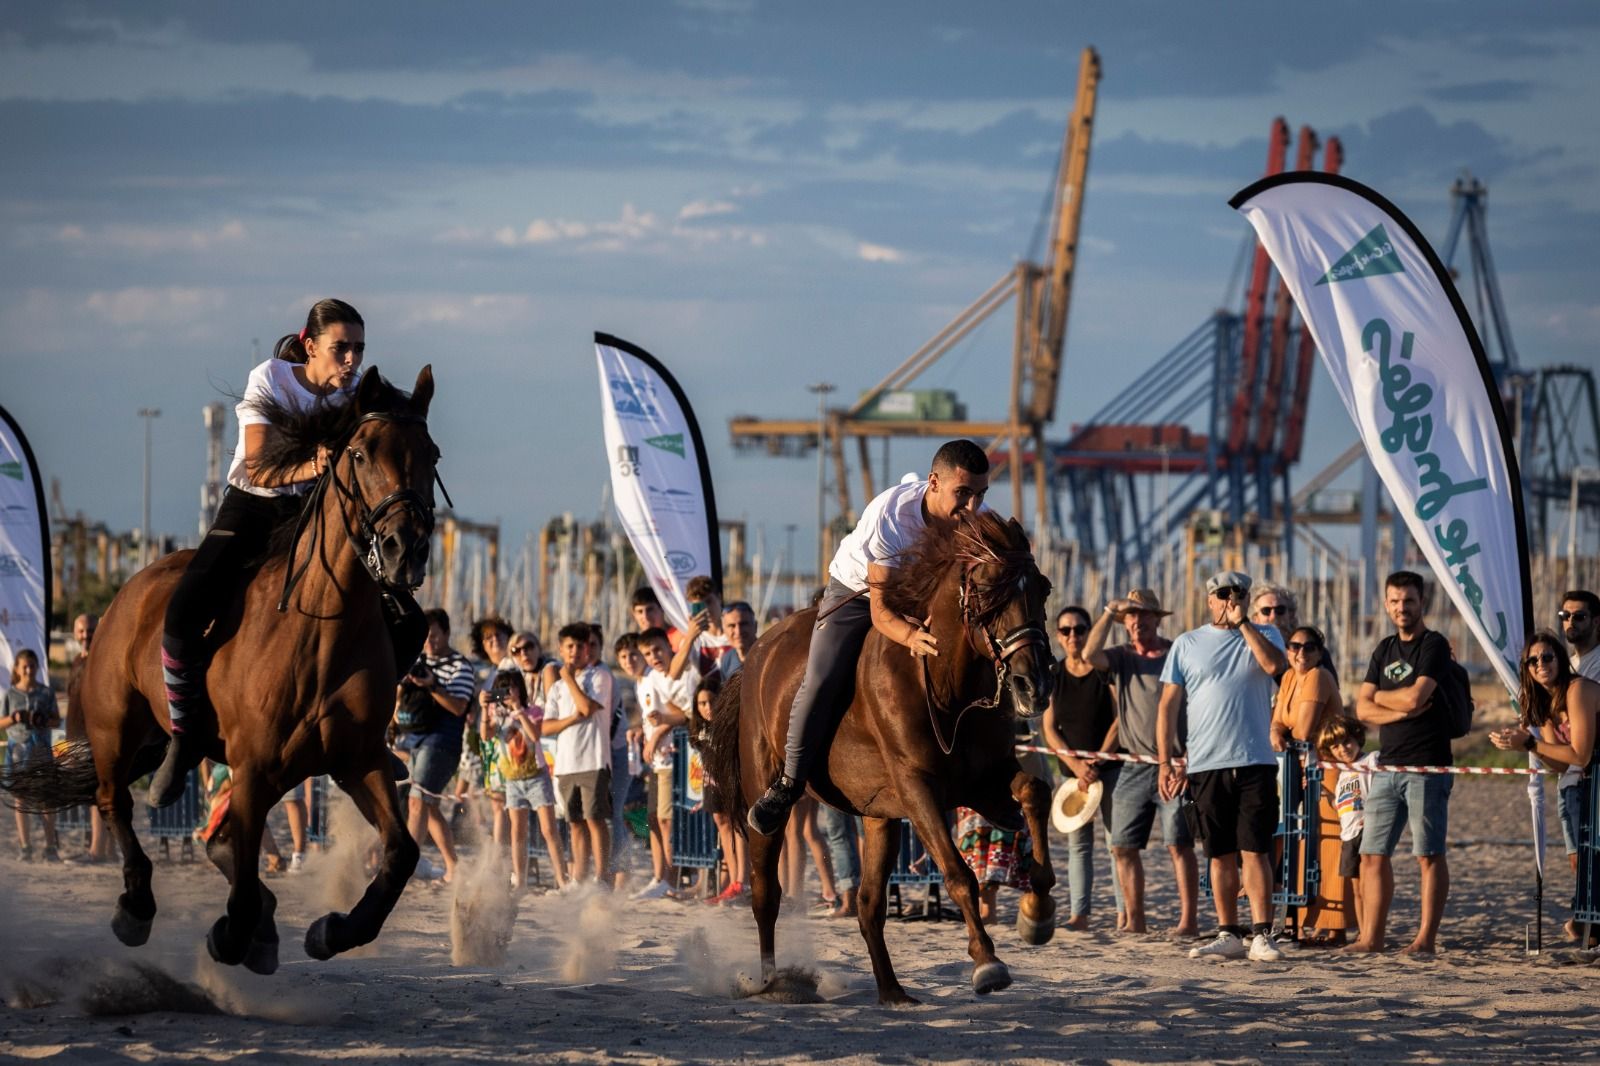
{"x":1002,"y":604}
{"x":384,"y":476}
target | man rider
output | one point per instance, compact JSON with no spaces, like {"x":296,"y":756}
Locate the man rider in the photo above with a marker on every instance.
{"x":890,"y":525}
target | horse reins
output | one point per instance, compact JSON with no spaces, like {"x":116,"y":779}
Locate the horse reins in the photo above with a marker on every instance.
{"x":365,"y":536}
{"x":999,"y":651}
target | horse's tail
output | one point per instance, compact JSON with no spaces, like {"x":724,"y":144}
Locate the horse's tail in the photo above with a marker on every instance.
{"x":50,"y":785}
{"x":720,"y":749}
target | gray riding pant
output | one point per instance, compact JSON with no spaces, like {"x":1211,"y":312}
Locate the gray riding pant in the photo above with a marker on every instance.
{"x":830,"y":676}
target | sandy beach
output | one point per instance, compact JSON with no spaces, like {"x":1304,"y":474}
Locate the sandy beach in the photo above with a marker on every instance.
{"x":596,"y":978}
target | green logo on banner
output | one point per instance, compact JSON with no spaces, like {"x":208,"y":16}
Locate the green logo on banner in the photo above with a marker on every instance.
{"x":668,"y":442}
{"x":1373,"y":254}
{"x":12,"y":470}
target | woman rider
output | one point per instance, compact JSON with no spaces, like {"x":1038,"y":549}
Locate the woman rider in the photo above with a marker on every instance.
{"x":315,"y":366}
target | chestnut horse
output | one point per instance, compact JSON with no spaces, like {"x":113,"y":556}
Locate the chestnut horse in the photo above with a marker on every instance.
{"x":298,"y":692}
{"x":908,"y":747}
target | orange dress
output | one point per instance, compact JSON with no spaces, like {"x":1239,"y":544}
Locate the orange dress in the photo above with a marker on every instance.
{"x":1333,"y":907}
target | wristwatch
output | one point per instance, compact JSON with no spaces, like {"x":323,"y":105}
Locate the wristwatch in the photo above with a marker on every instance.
{"x":1531,"y":743}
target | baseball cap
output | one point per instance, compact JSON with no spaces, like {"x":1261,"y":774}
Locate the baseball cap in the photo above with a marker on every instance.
{"x":1228,"y":579}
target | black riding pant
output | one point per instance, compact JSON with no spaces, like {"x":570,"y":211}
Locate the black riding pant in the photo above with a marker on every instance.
{"x":829,"y":684}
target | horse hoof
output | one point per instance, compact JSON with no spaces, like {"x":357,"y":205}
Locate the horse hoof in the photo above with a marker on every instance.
{"x":1035,"y":932}
{"x":898,"y":998}
{"x":216,"y":944}
{"x":262,"y":957}
{"x":321,"y":936}
{"x":134,"y":932}
{"x":990,"y":977}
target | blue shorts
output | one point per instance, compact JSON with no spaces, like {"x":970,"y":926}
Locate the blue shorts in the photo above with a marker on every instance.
{"x":1396,"y":800}
{"x":434,"y":758}
{"x":1568,"y":802}
{"x":1134,"y":812}
{"x":530,"y":794}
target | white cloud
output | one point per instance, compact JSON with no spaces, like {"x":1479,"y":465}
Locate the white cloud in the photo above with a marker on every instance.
{"x":142,"y":306}
{"x":1099,"y":245}
{"x":633,"y":231}
{"x":879,"y":253}
{"x":152,"y":238}
{"x":705,"y":209}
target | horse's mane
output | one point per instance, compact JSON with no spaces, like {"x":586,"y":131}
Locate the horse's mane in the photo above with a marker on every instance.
{"x":918,"y":571}
{"x":296,"y":434}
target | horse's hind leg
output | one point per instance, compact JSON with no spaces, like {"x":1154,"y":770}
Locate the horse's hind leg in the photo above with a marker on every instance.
{"x":262,"y":957}
{"x":375,"y":795}
{"x":136,"y":907}
{"x":1036,"y":915}
{"x":232,"y":937}
{"x":872,"y":904}
{"x":765,"y":897}
{"x":989,"y":974}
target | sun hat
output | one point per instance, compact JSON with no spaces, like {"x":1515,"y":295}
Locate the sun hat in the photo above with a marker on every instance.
{"x":1145,"y":600}
{"x":1073,"y":805}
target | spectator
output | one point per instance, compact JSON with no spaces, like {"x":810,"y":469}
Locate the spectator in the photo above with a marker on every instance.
{"x":528,"y":654}
{"x":997,"y":857}
{"x":1135,"y":670}
{"x":30,"y":716}
{"x":1414,"y":729}
{"x":706,"y":646}
{"x":1580,"y":623}
{"x":664,"y":705}
{"x":488,"y":640}
{"x":739,"y":624}
{"x":520,"y":761}
{"x":1082,"y":716}
{"x":734,"y":854}
{"x":838,"y":831}
{"x":1558,"y":724}
{"x":1274,"y":605}
{"x":83,"y":630}
{"x":431,"y":703}
{"x":624,"y":727}
{"x":1341,"y":741}
{"x":1308,"y":703}
{"x":645,"y":608}
{"x":1222,"y":673}
{"x":578,"y":715}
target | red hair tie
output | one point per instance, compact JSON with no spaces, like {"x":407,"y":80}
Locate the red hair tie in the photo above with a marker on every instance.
{"x":302,"y":335}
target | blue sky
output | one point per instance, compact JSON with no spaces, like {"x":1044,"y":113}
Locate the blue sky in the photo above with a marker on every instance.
{"x":762,"y":195}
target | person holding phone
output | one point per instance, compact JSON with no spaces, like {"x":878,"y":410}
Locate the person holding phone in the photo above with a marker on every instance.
{"x":706,"y":645}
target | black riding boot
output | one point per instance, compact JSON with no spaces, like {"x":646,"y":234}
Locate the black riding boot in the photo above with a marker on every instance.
{"x":194,"y":723}
{"x":767,"y":814}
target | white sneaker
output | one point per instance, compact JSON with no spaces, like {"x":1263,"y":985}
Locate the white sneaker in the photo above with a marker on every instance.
{"x":639,"y":894}
{"x":1262,"y":949}
{"x":1225,"y":946}
{"x":297,"y":862}
{"x":1283,"y":941}
{"x":654,"y":890}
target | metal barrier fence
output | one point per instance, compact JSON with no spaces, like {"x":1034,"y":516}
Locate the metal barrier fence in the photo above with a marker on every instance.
{"x":1586,"y":896}
{"x":694,"y":834}
{"x":177,"y":822}
{"x":1299,"y":826}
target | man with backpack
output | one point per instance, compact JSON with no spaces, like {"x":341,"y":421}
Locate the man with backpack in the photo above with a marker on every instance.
{"x":1414,"y":695}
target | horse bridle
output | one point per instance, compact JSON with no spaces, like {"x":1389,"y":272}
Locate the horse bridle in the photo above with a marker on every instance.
{"x":365,"y":535}
{"x":997,"y":650}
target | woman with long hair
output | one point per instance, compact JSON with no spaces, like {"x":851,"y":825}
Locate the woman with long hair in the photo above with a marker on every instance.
{"x":316,"y":366}
{"x":1558,"y":724}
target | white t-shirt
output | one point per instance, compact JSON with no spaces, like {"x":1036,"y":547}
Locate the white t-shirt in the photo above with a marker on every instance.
{"x":1588,"y":664}
{"x":656,"y":690}
{"x":891,"y":523}
{"x":584,"y":747}
{"x":274,"y":379}
{"x":712,"y":653}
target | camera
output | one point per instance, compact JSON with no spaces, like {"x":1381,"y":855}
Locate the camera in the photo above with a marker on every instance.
{"x":419,"y":672}
{"x":503,"y":688}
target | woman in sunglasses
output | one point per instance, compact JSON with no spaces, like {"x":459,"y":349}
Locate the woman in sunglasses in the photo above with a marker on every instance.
{"x":1308,"y":700}
{"x":1558,"y":725}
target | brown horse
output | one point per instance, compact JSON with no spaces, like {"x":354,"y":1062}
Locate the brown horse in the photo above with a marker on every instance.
{"x":907,"y":746}
{"x":298,"y":692}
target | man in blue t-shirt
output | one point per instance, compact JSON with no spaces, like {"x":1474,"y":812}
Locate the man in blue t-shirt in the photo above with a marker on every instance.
{"x":1223,"y":674}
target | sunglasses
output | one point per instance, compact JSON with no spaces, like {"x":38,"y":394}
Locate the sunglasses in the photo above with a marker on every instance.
{"x":1229,"y":592}
{"x":1542,"y":659}
{"x":518,"y":649}
{"x":1572,"y":616}
{"x":1073,"y":631}
{"x":1304,"y":645}
{"x":1273,"y":611}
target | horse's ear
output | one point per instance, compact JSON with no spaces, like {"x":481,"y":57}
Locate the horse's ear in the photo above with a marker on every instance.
{"x":368,"y":389}
{"x":422,"y":392}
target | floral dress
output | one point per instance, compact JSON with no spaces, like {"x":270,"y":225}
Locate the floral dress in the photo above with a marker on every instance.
{"x":995,"y":856}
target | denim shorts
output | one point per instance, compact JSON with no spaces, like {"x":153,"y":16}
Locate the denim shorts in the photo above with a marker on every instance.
{"x":1134,"y":813}
{"x":530,"y":794}
{"x":1396,"y":800}
{"x":434,"y":759}
{"x":1568,"y":800}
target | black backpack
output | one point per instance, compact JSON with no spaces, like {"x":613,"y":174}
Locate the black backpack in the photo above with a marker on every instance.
{"x":1454,"y":694}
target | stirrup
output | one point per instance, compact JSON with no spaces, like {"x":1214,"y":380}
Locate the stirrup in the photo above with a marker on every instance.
{"x":766,"y":815}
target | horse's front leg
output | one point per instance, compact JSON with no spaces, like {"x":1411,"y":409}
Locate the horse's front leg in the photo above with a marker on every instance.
{"x":375,"y":795}
{"x":881,"y":848}
{"x":989,"y":974}
{"x":251,"y":797}
{"x":1036,"y":915}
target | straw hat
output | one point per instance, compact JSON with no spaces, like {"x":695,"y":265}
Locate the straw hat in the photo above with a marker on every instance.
{"x":1145,"y":600}
{"x":1073,"y":806}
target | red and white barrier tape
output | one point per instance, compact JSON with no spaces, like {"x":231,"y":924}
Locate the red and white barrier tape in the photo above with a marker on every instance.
{"x":1493,"y":771}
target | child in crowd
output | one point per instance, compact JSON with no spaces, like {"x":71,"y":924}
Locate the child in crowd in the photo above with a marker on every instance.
{"x":663,"y":706}
{"x":30,"y":716}
{"x":733,"y":844}
{"x":521,"y":772}
{"x":1341,"y":741}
